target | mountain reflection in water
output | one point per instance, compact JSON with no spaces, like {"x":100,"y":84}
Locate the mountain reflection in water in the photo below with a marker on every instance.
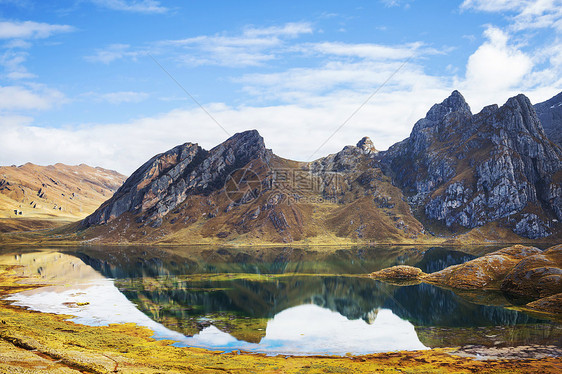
{"x":288,"y":302}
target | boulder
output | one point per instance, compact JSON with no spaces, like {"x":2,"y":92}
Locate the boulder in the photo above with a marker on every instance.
{"x":536,"y":276}
{"x":486,"y":272}
{"x":399,"y":272}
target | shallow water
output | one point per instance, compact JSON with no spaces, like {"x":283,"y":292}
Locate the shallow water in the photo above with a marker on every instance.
{"x":278,"y":301}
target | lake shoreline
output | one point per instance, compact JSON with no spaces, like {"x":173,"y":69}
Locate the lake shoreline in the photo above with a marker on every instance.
{"x":32,"y":340}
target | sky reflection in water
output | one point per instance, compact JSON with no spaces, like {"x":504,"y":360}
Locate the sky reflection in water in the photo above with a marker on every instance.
{"x":304,"y":329}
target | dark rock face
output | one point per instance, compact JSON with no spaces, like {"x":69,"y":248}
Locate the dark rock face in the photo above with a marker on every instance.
{"x":467,"y":170}
{"x":166,"y":180}
{"x":366,"y":144}
{"x":456,"y":169}
{"x":550,"y":115}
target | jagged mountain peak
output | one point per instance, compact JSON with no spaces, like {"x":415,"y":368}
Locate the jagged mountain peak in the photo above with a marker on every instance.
{"x":523,"y":117}
{"x":366,"y":144}
{"x":166,"y":180}
{"x":454,"y":103}
{"x":457,"y":171}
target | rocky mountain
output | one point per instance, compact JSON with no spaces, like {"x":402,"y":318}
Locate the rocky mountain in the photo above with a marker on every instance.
{"x":464,"y":171}
{"x":241,"y":191}
{"x":550,"y":115}
{"x":456,"y":172}
{"x":73,"y":192}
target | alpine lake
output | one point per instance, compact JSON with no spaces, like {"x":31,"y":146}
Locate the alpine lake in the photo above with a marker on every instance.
{"x":277,"y":301}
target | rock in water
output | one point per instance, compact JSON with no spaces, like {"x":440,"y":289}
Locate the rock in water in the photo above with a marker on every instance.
{"x":399,"y":272}
{"x":536,"y":276}
{"x":486,"y":272}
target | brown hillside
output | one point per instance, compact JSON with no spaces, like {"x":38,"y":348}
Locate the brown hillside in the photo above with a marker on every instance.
{"x":179,"y":197}
{"x":32,"y":194}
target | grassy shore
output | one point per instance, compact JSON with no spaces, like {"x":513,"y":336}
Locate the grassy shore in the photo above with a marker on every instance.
{"x":32,"y":342}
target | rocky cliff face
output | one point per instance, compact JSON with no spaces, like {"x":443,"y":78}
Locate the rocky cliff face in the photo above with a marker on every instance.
{"x":466,"y":170}
{"x":167,"y":179}
{"x":240,"y":191}
{"x":550,"y":115}
{"x":456,"y":171}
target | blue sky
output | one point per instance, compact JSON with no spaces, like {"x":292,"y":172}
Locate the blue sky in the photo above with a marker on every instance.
{"x":81,"y":80}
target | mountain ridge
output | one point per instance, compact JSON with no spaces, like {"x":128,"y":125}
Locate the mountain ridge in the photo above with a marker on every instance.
{"x":493,"y":174}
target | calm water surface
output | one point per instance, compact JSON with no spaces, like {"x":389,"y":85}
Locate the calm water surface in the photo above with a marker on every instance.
{"x":275,"y":301}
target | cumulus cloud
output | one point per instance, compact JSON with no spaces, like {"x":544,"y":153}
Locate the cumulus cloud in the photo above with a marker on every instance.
{"x":496,"y":65}
{"x":500,"y":68}
{"x":290,"y":130}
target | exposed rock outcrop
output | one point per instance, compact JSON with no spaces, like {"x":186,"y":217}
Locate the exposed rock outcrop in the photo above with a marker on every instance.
{"x":466,"y":170}
{"x":526,"y":276}
{"x":165,"y":181}
{"x":483,"y":272}
{"x":535,"y":276}
{"x":400,"y":275}
{"x":399,"y":272}
{"x":456,"y":171}
{"x":240,"y":189}
{"x":366,"y":144}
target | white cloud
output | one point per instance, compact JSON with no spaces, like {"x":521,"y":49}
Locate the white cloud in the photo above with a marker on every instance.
{"x":135,"y":6}
{"x":32,"y":96}
{"x":368,"y":50}
{"x":500,"y":68}
{"x":290,"y":130}
{"x":395,"y":3}
{"x":494,"y":5}
{"x":253,"y":47}
{"x":526,"y":14}
{"x":496,"y":65}
{"x":30,"y":30}
{"x":291,"y":29}
{"x":12,"y":61}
